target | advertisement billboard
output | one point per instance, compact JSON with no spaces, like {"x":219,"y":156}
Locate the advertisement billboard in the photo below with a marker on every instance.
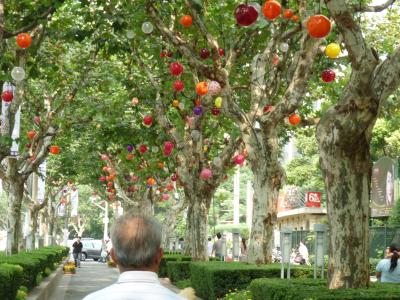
{"x":383,"y":183}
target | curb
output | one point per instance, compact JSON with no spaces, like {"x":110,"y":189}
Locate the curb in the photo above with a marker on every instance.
{"x":47,"y":286}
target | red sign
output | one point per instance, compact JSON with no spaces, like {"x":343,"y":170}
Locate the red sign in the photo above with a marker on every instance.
{"x":313,"y":199}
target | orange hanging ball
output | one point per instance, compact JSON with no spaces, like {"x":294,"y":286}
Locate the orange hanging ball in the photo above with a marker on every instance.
{"x":54,"y":149}
{"x":186,"y":21}
{"x":271,"y":10}
{"x":318,"y":26}
{"x":294,"y":119}
{"x":24,"y":40}
{"x":202,"y":88}
{"x":151,"y":181}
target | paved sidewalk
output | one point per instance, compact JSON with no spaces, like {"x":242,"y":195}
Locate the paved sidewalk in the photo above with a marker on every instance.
{"x":92,"y":276}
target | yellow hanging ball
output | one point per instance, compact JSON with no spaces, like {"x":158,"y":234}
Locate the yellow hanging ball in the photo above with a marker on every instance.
{"x":332,"y":50}
{"x":175,"y":103}
{"x":218,"y":102}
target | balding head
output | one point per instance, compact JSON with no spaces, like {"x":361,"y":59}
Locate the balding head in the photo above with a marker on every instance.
{"x":136,"y":241}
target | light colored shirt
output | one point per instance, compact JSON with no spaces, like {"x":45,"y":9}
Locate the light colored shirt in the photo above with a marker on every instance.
{"x":387,"y":276}
{"x":135,"y":285}
{"x":210,"y":247}
{"x":217,"y":247}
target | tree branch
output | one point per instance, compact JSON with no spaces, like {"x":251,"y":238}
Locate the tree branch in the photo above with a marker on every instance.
{"x":370,"y":8}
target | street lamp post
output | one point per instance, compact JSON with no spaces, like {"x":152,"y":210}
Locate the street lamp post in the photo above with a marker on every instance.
{"x":319,"y":230}
{"x":286,"y":246}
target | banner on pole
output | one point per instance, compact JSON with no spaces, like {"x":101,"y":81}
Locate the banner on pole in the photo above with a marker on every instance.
{"x":74,"y":202}
{"x":41,"y":182}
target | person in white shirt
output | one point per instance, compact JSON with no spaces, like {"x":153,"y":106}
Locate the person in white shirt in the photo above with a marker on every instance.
{"x":136,"y":250}
{"x":209,"y":247}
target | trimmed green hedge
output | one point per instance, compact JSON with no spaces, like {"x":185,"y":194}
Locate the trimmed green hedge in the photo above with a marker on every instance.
{"x":213,"y":280}
{"x":178,"y":270}
{"x":35,"y":262}
{"x":308,"y":289}
{"x":10,"y":281}
{"x":162,"y":271}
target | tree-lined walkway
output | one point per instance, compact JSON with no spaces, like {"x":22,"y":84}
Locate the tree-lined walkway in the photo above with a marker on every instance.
{"x":92,"y":276}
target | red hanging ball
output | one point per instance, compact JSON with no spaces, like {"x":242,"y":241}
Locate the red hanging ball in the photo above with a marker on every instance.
{"x":176,"y":69}
{"x":148,"y":120}
{"x":216,"y":111}
{"x":318,"y":26}
{"x":246,"y":15}
{"x":204,"y":53}
{"x":7,"y":96}
{"x":294,"y":119}
{"x":24,"y":40}
{"x":328,"y":75}
{"x":178,"y":85}
{"x":271,"y":10}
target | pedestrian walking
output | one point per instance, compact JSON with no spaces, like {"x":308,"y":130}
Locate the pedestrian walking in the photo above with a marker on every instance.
{"x":77,"y":251}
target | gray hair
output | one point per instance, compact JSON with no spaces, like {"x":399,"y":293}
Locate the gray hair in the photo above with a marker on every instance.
{"x":136,"y":240}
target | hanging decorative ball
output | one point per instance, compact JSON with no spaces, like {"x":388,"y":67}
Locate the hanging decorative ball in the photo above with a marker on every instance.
{"x":147,"y":121}
{"x":31,"y":134}
{"x":163,"y":54}
{"x":143,"y":149}
{"x":165,"y":197}
{"x":257,"y":6}
{"x":295,"y":18}
{"x":176,"y":68}
{"x":206,"y":174}
{"x":217,"y":162}
{"x":186,"y":21}
{"x":214,"y":88}
{"x":169,"y":187}
{"x":271,"y":10}
{"x":161,"y":165}
{"x":130,"y":34}
{"x":174,"y":177}
{"x":221,"y":52}
{"x":181,"y":106}
{"x":18,"y":73}
{"x":155,"y":149}
{"x":169,"y":145}
{"x":151,"y":181}
{"x":105,"y":169}
{"x":218,"y":102}
{"x":202,"y":88}
{"x":54,"y":149}
{"x":284,"y":47}
{"x":205,"y":53}
{"x":130,"y":156}
{"x":294,"y":119}
{"x":110,"y":184}
{"x":215,"y":111}
{"x":104,"y":157}
{"x":7,"y":96}
{"x":195,"y":134}
{"x":24,"y":40}
{"x":267,"y":108}
{"x":198,"y":110}
{"x":318,"y":26}
{"x":328,"y":75}
{"x":147,"y":27}
{"x":37,"y":120}
{"x":245,"y":15}
{"x":135,"y":101}
{"x":102,"y":179}
{"x":178,"y":85}
{"x":130,"y":148}
{"x":288,"y":13}
{"x":197,"y":102}
{"x":332,"y":50}
{"x":239,"y":159}
{"x":175,"y":103}
{"x":134,"y":178}
{"x":275,"y":60}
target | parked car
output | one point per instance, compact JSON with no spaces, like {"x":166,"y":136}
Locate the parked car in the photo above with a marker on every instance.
{"x":91,"y":249}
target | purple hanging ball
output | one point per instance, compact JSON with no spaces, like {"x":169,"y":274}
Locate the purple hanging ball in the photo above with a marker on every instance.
{"x":198,"y":110}
{"x":129,"y":148}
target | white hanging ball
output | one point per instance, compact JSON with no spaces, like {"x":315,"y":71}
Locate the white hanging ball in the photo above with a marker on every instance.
{"x":18,"y":74}
{"x":217,"y":162}
{"x":181,"y":106}
{"x":284,"y":47}
{"x":195,"y":135}
{"x":154,"y":149}
{"x":214,"y":88}
{"x":130,"y":34}
{"x":157,"y":192}
{"x":147,"y":27}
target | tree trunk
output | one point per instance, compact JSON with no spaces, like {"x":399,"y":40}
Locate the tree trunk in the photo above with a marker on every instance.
{"x":15,"y":197}
{"x":263,"y":155}
{"x":346,"y":168}
{"x":196,"y":227}
{"x":34,"y":216}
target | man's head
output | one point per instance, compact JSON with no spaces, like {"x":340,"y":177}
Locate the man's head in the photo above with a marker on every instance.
{"x":78,"y":238}
{"x":219,"y":235}
{"x":209,"y":239}
{"x":136,"y":243}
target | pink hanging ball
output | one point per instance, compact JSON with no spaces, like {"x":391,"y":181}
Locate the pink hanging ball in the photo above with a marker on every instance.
{"x":206,"y":174}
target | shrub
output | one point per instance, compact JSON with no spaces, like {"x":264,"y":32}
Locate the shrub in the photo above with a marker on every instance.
{"x":238,"y":295}
{"x":308,"y":289}
{"x":178,"y":270}
{"x":162,"y":272}
{"x":182,"y":284}
{"x":215,"y":279}
{"x":10,"y":281}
